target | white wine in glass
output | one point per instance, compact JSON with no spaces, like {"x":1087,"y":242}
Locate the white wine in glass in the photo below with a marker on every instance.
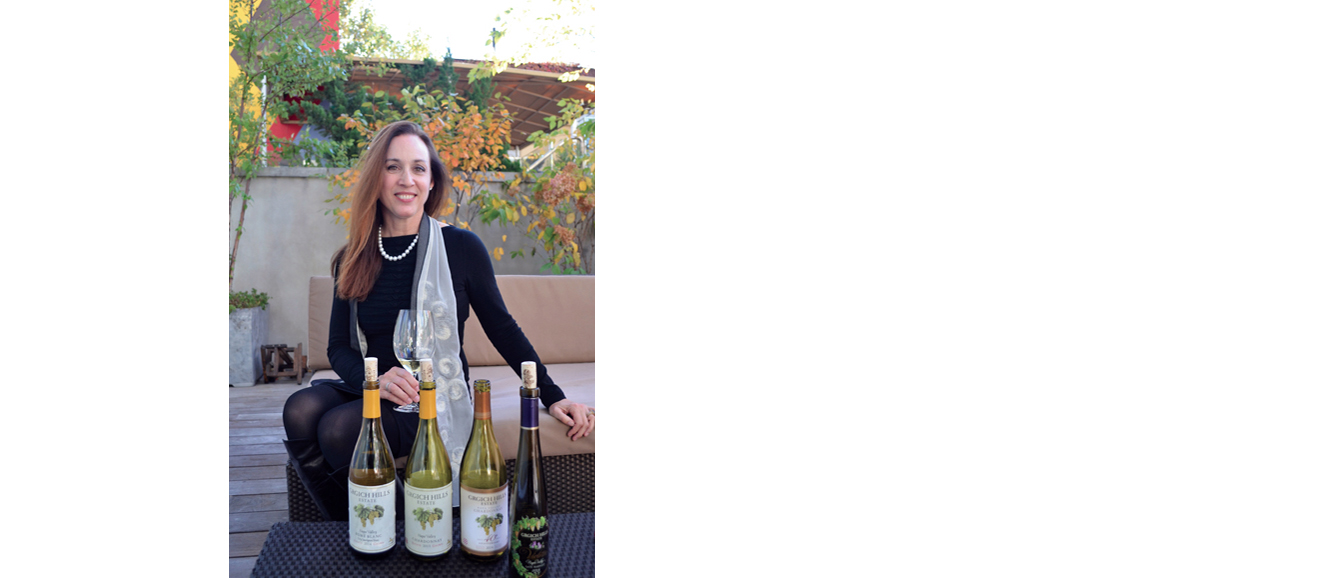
{"x":412,"y":342}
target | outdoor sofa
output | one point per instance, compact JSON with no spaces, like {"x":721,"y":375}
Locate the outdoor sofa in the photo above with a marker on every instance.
{"x":556,"y":313}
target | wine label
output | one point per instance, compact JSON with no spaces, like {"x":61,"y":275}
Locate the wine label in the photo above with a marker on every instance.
{"x":529,"y":547}
{"x":484,"y":528}
{"x":428,"y":520}
{"x":372,"y":517}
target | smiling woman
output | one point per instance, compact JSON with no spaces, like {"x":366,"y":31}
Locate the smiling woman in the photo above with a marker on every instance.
{"x":400,"y":257}
{"x":406,"y":185}
{"x":403,"y":142}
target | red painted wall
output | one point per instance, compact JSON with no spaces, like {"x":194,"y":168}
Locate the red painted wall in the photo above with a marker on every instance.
{"x":331,"y":9}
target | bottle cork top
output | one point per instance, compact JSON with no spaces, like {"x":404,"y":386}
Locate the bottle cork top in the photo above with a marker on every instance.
{"x":425,"y":370}
{"x":370,"y":369}
{"x":529,"y":374}
{"x":482,"y":385}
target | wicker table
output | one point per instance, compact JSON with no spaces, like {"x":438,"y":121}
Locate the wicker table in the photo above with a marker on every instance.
{"x":298,"y":549}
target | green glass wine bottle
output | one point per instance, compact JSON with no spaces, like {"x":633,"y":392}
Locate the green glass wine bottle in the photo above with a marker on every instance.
{"x":484,"y":523}
{"x":529,"y":510}
{"x":427,"y":479}
{"x":372,"y":478}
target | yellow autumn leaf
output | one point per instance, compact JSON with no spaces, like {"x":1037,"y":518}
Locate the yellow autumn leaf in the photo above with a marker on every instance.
{"x":570,"y":218}
{"x":497,"y":253}
{"x":522,"y":211}
{"x":503,"y":238}
{"x":584,"y":184}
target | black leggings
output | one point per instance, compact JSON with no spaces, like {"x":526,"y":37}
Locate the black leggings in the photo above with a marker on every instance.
{"x":333,"y":417}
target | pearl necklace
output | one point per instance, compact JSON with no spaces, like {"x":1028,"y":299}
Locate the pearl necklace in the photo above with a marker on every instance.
{"x":383,"y":250}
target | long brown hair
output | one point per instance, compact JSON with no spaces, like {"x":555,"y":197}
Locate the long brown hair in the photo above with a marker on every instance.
{"x":357,"y":263}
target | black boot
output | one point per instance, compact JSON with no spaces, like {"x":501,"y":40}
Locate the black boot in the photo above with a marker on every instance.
{"x":319,"y":479}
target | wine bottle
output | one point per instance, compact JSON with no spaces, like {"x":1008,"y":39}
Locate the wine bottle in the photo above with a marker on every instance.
{"x":372,"y":478}
{"x":484,"y":515}
{"x":427,"y":479}
{"x":529,"y":511}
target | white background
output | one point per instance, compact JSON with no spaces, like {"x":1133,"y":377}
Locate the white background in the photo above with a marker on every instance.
{"x":1078,"y":334}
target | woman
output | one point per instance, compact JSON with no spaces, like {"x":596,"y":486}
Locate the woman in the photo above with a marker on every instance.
{"x":399,"y":257}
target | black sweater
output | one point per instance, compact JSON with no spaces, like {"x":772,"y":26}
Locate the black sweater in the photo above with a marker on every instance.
{"x":475,"y":285}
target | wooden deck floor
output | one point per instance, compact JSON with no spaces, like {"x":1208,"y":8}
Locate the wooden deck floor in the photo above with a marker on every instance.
{"x":257,"y":469}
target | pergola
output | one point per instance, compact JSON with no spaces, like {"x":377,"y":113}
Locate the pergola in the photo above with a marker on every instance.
{"x":534,"y":93}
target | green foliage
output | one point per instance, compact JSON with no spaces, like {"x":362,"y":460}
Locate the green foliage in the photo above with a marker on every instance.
{"x":277,"y":53}
{"x":480,"y":92}
{"x":247,"y":299}
{"x":343,"y":98}
{"x":554,"y":197}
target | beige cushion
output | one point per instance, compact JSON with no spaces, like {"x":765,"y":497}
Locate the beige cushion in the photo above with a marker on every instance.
{"x":320,"y":291}
{"x":555,"y":312}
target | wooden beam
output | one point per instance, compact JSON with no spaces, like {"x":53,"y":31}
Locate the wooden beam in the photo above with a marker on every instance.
{"x":468,"y":65}
{"x":559,"y":95}
{"x":521,"y":106}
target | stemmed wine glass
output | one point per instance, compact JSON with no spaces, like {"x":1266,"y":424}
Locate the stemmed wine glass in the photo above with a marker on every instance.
{"x":412,"y":342}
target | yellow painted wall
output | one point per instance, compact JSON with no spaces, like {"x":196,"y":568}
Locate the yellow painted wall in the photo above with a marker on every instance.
{"x":243,"y":18}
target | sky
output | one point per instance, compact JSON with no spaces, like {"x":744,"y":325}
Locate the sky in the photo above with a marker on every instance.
{"x":464,"y":26}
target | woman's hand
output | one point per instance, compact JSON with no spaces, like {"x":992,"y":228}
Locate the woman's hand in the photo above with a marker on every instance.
{"x":577,"y":415}
{"x":398,"y":386}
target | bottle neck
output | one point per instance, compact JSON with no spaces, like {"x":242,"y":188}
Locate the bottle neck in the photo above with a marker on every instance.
{"x":482,"y":409}
{"x":372,"y":405}
{"x":427,"y":400}
{"x":529,"y":412}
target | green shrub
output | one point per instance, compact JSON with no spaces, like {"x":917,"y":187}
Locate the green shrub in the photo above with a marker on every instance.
{"x":247,"y":299}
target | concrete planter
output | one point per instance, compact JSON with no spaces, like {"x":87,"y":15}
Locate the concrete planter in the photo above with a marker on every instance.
{"x":248,"y":333}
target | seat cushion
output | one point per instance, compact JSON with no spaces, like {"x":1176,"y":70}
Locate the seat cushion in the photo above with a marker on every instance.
{"x":555,"y":312}
{"x":320,"y":292}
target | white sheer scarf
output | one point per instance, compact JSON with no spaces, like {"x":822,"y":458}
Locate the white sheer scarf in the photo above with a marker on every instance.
{"x":433,"y":292}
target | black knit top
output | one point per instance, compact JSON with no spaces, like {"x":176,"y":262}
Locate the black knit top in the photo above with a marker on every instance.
{"x":475,"y":286}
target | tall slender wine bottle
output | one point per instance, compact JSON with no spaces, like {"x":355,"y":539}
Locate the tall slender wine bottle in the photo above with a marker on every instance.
{"x":529,"y":510}
{"x":427,"y":479}
{"x":372,"y":478}
{"x":484,"y":516}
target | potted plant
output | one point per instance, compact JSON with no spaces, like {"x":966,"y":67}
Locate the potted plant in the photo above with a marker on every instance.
{"x":248,"y":331}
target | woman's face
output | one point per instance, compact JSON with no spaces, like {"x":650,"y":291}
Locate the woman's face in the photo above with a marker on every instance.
{"x":406,"y":180}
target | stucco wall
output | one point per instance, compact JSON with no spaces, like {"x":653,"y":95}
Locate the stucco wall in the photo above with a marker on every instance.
{"x":288,"y":238}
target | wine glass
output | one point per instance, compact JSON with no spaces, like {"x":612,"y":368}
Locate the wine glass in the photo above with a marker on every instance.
{"x":412,"y":342}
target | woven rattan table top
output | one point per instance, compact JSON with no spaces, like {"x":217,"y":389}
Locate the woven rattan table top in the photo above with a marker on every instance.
{"x":307,"y":549}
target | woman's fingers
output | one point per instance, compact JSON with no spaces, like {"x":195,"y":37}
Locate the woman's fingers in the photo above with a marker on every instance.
{"x":396,"y":392}
{"x":587,"y":426}
{"x":404,"y":377}
{"x":406,"y":389}
{"x":558,"y":410}
{"x":578,"y":416}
